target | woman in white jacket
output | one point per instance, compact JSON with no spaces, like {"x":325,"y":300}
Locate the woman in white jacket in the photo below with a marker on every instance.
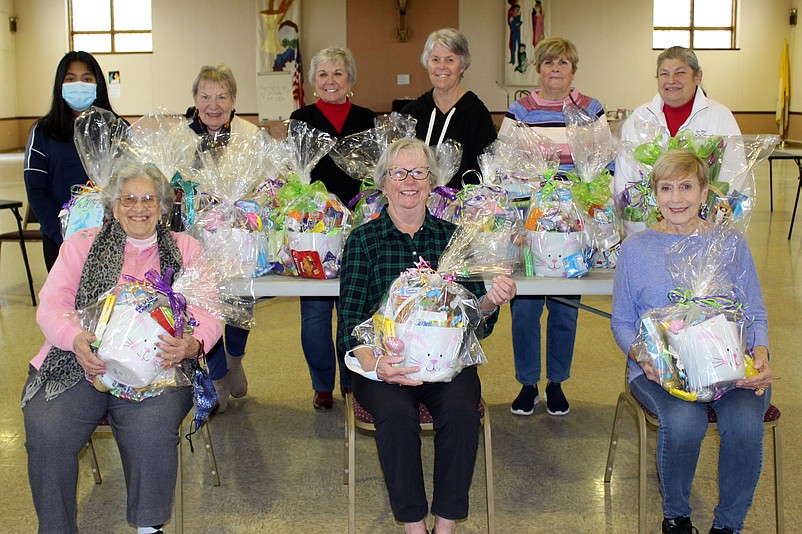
{"x":680,"y":104}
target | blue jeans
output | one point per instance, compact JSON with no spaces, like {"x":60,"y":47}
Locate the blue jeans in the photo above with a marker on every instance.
{"x":318,"y":344}
{"x":235,"y":340}
{"x":683,"y":425}
{"x":560,"y":337}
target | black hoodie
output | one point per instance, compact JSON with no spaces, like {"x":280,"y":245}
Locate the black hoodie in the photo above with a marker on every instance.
{"x":471,"y":125}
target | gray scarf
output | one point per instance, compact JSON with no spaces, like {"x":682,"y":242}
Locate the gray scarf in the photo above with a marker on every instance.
{"x":60,"y":370}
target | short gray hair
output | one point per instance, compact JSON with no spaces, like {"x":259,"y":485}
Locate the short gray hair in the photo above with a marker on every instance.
{"x":221,"y":74}
{"x":411,"y":145}
{"x":111,"y":192}
{"x":451,"y":39}
{"x":686,"y":55}
{"x":333,"y":54}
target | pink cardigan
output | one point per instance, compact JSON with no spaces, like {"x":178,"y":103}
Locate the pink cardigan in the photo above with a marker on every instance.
{"x":57,"y":297}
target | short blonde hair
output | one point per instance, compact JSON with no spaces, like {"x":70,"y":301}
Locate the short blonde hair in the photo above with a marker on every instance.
{"x":216,"y":74}
{"x":554,"y":47}
{"x":333,"y":55}
{"x":679,"y":163}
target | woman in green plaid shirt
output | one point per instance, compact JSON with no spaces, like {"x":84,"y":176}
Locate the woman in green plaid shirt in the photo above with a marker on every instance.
{"x":375,"y":255}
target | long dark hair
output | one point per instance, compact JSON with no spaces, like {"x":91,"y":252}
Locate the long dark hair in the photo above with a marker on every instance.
{"x":58,"y":123}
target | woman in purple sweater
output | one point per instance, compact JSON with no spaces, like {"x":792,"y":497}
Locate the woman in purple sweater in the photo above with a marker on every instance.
{"x":679,"y":181}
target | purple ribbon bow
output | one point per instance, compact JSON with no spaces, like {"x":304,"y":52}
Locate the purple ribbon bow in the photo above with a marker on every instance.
{"x":178,"y":304}
{"x":372,"y":195}
{"x":449,"y":195}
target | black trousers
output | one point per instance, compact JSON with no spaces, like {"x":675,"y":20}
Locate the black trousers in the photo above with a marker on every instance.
{"x":454,"y":407}
{"x":50,"y":251}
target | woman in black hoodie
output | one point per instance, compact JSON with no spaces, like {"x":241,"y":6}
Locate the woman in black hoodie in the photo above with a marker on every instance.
{"x":449,"y":111}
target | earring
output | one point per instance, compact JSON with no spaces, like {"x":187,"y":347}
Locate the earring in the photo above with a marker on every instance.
{"x":316,"y":95}
{"x":350,"y":94}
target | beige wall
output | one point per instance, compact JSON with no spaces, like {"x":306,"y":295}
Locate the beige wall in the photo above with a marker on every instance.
{"x":613,"y":38}
{"x":381,"y":57}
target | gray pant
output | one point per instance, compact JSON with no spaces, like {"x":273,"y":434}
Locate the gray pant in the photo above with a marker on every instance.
{"x":146,"y":434}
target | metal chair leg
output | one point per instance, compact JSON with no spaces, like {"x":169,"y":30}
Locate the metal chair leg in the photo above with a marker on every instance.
{"x":93,"y":461}
{"x":207,"y":442}
{"x":489,"y":482}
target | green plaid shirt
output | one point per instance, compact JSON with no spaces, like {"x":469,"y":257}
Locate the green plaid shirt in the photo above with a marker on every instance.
{"x":375,"y":254}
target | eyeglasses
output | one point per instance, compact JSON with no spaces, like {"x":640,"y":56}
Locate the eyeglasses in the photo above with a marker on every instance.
{"x":399,"y":174}
{"x":129,"y":201}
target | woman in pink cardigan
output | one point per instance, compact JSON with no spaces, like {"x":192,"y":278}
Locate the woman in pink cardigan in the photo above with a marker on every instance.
{"x":61,"y":407}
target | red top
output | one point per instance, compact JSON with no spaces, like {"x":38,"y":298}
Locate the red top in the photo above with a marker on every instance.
{"x":335,"y":113}
{"x":676,"y":117}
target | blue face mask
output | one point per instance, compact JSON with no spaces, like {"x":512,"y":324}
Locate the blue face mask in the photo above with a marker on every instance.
{"x":79,"y":95}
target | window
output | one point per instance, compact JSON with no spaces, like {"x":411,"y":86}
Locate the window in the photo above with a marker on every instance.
{"x":695,"y":24}
{"x":110,"y":26}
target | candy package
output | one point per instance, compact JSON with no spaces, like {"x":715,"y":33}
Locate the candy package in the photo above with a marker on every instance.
{"x":312,"y":225}
{"x":99,"y":137}
{"x":696,"y":344}
{"x":128,"y":319}
{"x":430,"y":320}
{"x":229,"y":225}
{"x":637,"y":155}
{"x":592,"y":150}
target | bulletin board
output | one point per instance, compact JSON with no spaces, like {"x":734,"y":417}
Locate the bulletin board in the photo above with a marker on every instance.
{"x":274,"y":95}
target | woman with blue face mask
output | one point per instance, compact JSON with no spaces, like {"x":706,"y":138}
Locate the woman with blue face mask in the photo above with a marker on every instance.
{"x":52,"y":165}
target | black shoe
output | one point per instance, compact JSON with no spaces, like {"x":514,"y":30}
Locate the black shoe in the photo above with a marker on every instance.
{"x":556,"y":403}
{"x":679,"y":525}
{"x":524,"y":403}
{"x":714,"y":530}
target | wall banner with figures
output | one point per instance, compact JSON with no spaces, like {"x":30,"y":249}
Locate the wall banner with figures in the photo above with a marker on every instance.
{"x":527,"y":22}
{"x":279,"y":38}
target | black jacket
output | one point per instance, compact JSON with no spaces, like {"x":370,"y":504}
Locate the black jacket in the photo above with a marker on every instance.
{"x":471,"y":125}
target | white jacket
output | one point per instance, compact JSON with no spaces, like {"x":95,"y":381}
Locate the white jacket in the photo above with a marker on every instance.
{"x":707,"y":117}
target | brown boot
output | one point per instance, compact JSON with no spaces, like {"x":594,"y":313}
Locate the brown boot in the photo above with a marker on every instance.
{"x":223,"y":389}
{"x":239,"y":382}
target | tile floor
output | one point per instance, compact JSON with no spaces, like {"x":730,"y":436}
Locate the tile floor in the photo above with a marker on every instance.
{"x":281,"y":462}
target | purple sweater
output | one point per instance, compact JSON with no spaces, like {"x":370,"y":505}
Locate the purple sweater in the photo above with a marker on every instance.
{"x":642,"y":282}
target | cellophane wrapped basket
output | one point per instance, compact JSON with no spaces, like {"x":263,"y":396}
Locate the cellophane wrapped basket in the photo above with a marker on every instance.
{"x":309,"y":224}
{"x":696,"y":344}
{"x":559,"y":246}
{"x":430,"y":320}
{"x":592,"y":150}
{"x":489,"y":230}
{"x":231,"y":224}
{"x":165,"y":141}
{"x":99,"y":137}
